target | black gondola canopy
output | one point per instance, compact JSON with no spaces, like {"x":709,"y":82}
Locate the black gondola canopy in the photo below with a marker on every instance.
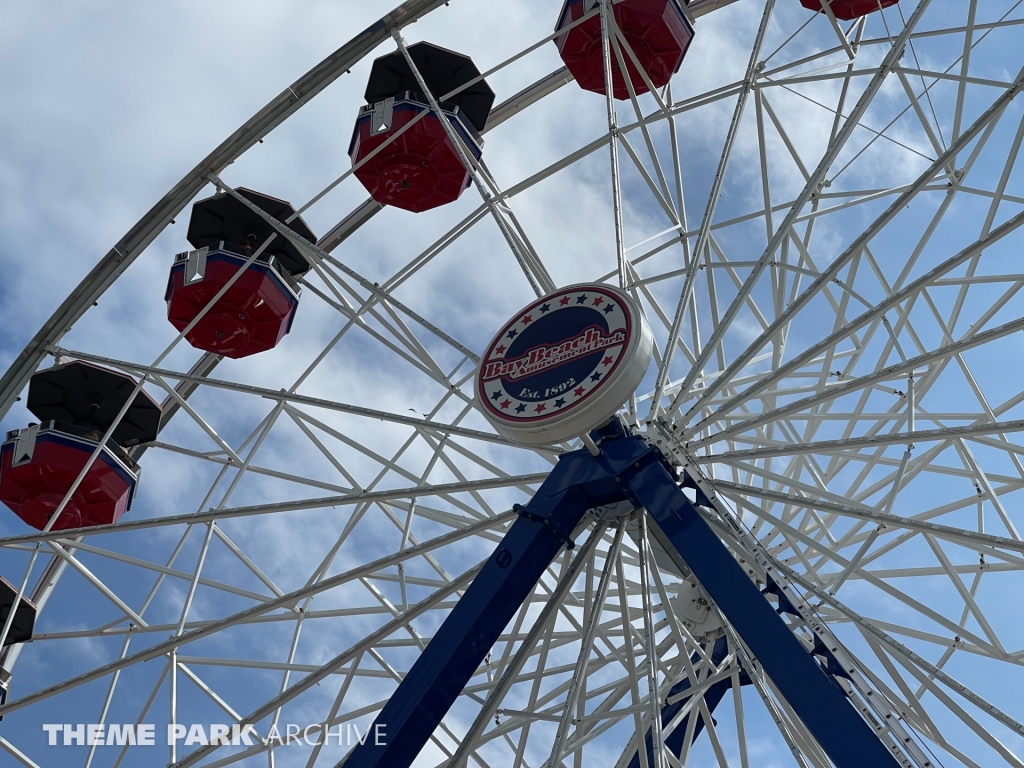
{"x":442,"y":70}
{"x":24,"y":618}
{"x":225,"y":217}
{"x":89,"y":396}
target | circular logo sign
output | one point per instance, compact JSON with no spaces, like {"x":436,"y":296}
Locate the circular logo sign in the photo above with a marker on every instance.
{"x":564,"y":364}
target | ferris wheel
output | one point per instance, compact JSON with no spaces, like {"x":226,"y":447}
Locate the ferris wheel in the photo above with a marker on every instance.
{"x":634,"y":387}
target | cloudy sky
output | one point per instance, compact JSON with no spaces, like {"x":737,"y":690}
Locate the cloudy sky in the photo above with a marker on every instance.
{"x":105,"y":105}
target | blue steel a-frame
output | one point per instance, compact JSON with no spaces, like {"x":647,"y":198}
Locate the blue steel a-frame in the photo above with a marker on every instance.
{"x":628,"y":468}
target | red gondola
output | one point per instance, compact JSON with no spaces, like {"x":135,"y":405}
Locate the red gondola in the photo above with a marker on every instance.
{"x":77,"y":402}
{"x":39,"y":464}
{"x":258,"y":309}
{"x":848,"y":10}
{"x":421,"y":168}
{"x":657,"y":31}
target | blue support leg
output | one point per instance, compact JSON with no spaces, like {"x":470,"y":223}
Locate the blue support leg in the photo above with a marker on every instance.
{"x":576,"y":484}
{"x":712,"y":697}
{"x":817,"y":700}
{"x":627,"y":468}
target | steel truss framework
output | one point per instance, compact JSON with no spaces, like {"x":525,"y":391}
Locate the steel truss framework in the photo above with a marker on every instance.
{"x":834,"y":296}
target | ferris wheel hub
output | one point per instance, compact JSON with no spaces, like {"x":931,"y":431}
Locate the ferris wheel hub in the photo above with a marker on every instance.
{"x":564,"y":364}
